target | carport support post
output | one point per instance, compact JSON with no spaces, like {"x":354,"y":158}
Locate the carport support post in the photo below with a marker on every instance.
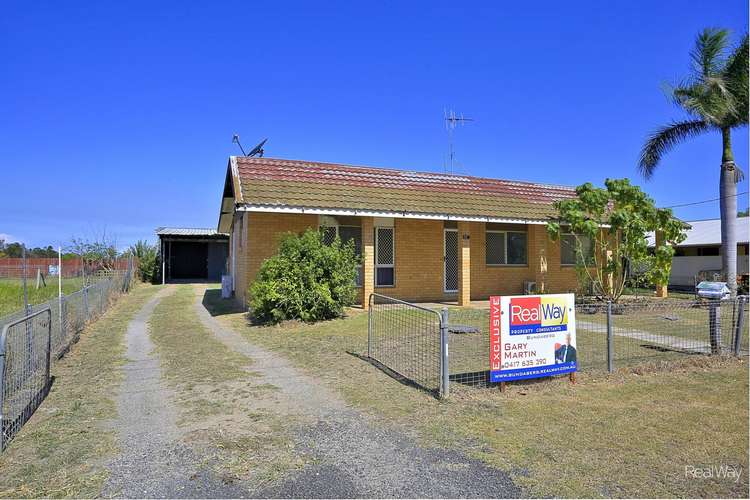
{"x":714,"y":326}
{"x":445,"y":374}
{"x":740,"y":327}
{"x":610,"y":340}
{"x":163,"y":264}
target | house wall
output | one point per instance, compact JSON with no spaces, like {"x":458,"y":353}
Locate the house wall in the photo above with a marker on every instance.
{"x":419,"y":264}
{"x":684,"y":269}
{"x":217,"y":260}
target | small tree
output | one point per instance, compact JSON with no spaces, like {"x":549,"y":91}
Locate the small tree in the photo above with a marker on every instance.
{"x":307,"y":280}
{"x":99,"y":253}
{"x":148,"y":260}
{"x":616,"y":220}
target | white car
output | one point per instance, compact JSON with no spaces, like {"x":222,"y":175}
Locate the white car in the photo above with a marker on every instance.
{"x":712,"y":290}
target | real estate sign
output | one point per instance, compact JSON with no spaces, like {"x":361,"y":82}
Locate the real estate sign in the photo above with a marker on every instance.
{"x":532,"y":336}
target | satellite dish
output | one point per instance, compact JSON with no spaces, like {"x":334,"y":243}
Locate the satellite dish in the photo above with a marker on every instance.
{"x":258,"y":150}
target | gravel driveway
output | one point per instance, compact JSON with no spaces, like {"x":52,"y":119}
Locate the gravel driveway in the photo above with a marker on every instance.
{"x":355,"y":456}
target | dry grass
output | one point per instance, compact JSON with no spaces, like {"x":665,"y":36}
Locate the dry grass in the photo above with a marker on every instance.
{"x":62,"y":450}
{"x":218,"y":395}
{"x":627,"y":434}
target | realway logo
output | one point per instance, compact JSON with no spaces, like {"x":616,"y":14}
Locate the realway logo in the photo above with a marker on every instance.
{"x":730,"y":472}
{"x":538,"y":315}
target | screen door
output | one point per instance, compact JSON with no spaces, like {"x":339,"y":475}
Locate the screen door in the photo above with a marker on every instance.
{"x":451,"y":260}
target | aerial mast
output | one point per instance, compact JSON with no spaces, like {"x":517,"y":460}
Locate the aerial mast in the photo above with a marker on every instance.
{"x":452,"y":120}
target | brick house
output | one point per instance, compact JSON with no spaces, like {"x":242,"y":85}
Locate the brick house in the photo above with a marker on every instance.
{"x":422,"y":236}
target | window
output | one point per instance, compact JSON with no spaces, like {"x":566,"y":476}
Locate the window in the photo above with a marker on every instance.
{"x":329,"y":234}
{"x":347,"y":234}
{"x":570,"y":255}
{"x":505,"y":248}
{"x":708,"y":251}
{"x":384,"y":262}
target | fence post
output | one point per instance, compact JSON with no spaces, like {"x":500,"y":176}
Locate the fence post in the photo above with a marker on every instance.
{"x":369,"y":327}
{"x":610,"y":340}
{"x":49,"y":351}
{"x":85,"y":304}
{"x":59,"y":292}
{"x":26,"y":312}
{"x":714,"y":326}
{"x":444,"y":371}
{"x":25,"y":285}
{"x":740,"y":326}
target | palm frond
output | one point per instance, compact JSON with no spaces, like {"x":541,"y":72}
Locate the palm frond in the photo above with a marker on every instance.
{"x":708,"y":53}
{"x":736,"y":75}
{"x":662,"y":140}
{"x":710,"y":100}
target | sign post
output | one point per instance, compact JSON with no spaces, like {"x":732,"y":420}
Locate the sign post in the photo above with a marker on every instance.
{"x":532,"y":336}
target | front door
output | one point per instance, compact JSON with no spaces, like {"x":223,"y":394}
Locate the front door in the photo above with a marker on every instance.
{"x":451,"y":260}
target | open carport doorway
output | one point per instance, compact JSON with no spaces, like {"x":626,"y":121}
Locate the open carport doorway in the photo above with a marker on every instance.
{"x":192,"y":254}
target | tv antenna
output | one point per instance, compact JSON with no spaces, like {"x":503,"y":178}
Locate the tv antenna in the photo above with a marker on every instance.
{"x":452,"y":120}
{"x":256,"y":151}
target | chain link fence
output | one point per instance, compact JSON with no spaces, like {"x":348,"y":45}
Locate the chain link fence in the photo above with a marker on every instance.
{"x":405,"y":338}
{"x":39,"y":333}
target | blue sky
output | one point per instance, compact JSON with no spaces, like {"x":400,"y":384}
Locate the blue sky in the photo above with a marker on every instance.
{"x":119,"y":116}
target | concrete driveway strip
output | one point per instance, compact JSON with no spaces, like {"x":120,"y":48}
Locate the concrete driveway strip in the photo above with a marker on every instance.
{"x":357,"y":457}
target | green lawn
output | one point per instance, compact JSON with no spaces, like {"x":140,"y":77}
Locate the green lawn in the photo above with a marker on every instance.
{"x":11,"y":292}
{"x":631,"y":433}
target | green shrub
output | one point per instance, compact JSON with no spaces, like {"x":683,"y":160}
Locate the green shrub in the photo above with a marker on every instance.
{"x":148,"y":260}
{"x":307,"y":280}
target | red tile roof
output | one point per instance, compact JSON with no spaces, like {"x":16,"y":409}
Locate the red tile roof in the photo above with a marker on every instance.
{"x":295,"y":183}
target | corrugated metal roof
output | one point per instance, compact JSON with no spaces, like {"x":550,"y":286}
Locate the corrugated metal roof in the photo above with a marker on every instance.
{"x":188,"y":231}
{"x":294,"y":183}
{"x":708,"y":232}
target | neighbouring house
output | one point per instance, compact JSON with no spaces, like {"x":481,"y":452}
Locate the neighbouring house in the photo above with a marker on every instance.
{"x":699,"y":256}
{"x":192,"y":254}
{"x":422,"y":236}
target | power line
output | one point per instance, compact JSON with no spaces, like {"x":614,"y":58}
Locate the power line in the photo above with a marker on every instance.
{"x":707,"y":201}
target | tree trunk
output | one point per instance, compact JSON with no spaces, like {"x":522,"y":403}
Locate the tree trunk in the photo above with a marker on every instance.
{"x":728,"y":205}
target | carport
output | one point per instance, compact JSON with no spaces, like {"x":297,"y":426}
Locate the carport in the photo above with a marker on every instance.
{"x":192,"y":254}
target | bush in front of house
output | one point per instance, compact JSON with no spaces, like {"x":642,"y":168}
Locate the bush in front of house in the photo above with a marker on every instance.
{"x":307,"y":280}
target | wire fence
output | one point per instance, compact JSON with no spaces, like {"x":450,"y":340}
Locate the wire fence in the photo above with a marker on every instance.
{"x":405,"y":338}
{"x":38,"y":334}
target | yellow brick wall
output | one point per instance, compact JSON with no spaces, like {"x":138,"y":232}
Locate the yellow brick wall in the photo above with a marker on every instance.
{"x":419,"y":266}
{"x":418,"y":260}
{"x":263,"y":233}
{"x":508,"y":280}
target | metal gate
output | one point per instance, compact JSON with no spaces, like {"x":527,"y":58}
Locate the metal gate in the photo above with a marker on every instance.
{"x":451,"y":260}
{"x":25,"y":346}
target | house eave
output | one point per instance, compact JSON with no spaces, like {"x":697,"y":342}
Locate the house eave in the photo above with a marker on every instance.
{"x":287,"y":209}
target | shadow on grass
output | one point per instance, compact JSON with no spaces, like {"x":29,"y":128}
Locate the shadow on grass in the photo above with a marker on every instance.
{"x":11,"y":427}
{"x":216,"y":306}
{"x":395,"y":375}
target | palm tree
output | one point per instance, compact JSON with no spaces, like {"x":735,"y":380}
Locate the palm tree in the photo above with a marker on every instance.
{"x":715,"y":96}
